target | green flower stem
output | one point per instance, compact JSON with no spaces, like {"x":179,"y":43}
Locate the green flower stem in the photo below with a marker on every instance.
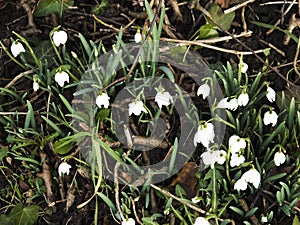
{"x":29,"y":47}
{"x":11,"y":56}
{"x":214,"y":191}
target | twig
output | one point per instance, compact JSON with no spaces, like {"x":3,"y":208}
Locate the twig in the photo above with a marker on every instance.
{"x":105,"y":24}
{"x":18,"y":77}
{"x":46,"y":176}
{"x":296,"y":58}
{"x":293,"y":23}
{"x":206,"y":13}
{"x":134,"y":211}
{"x":236,"y":7}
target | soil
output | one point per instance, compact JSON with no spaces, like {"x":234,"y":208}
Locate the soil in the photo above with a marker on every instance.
{"x":80,"y":20}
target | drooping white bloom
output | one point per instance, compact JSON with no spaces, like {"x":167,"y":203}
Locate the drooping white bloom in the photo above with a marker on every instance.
{"x":205,"y":134}
{"x":270,"y":117}
{"x":279,"y":158}
{"x":209,"y":157}
{"x":236,"y":144}
{"x":243,"y":67}
{"x":138,"y":37}
{"x":201,"y":221}
{"x":196,"y":199}
{"x":128,"y":221}
{"x":223,"y":103}
{"x":203,"y":90}
{"x":102,"y":100}
{"x":243,"y":99}
{"x":221,"y":156}
{"x":233,"y":104}
{"x":64,"y":168}
{"x":60,"y":37}
{"x":236,"y":160}
{"x":163,"y":98}
{"x":271,"y":94}
{"x":252,"y":176}
{"x":61,"y":77}
{"x":16,"y":48}
{"x":240,"y":185}
{"x":264,"y":219}
{"x":136,"y":107}
{"x":35,"y":86}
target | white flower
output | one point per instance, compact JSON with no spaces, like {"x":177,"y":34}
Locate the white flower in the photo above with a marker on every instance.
{"x":128,"y":221}
{"x":136,"y":107}
{"x":205,"y":134}
{"x":264,"y":219}
{"x":236,"y":160}
{"x":61,"y":77}
{"x":209,"y":157}
{"x":203,"y":90}
{"x":196,"y":199}
{"x":16,"y":48}
{"x":137,"y":37}
{"x":221,"y":158}
{"x":163,"y":98}
{"x":236,"y":144}
{"x":270,"y":117}
{"x":223,"y":103}
{"x":35,"y":86}
{"x":201,"y":221}
{"x":243,"y":67}
{"x":243,"y":99}
{"x":102,"y":100}
{"x":240,"y":185}
{"x":271,"y":94}
{"x":64,"y":168}
{"x":279,"y":158}
{"x":252,"y":176}
{"x":60,"y":37}
{"x":233,"y":104}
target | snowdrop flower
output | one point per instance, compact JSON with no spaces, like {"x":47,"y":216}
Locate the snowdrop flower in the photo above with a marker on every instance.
{"x":271,"y":94}
{"x":137,"y":36}
{"x":223,"y":103}
{"x":16,"y":48}
{"x":163,"y":97}
{"x":236,"y":160}
{"x":243,"y":99}
{"x":279,"y":158}
{"x":128,"y":221}
{"x":102,"y":100}
{"x":240,"y":185}
{"x":64,"y":168}
{"x":201,"y":221}
{"x":61,"y":77}
{"x":59,"y":37}
{"x":209,"y":157}
{"x":252,"y":176}
{"x":221,"y":156}
{"x":35,"y":86}
{"x":264,"y":219}
{"x":205,"y":134}
{"x":203,"y":90}
{"x":236,"y":144}
{"x":243,"y":67}
{"x":233,"y":104}
{"x":136,"y":107}
{"x":270,"y":117}
{"x":196,"y":199}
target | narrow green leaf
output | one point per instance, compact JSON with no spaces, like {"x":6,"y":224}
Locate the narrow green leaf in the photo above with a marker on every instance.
{"x":108,"y":202}
{"x":53,"y":125}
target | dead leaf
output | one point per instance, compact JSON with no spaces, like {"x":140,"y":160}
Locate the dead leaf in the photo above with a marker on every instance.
{"x":187,"y":179}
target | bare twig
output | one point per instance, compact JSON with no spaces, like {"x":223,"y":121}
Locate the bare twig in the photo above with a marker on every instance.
{"x":236,"y":7}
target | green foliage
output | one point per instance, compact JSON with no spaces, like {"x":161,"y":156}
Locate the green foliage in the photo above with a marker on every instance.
{"x":47,"y":7}
{"x":21,"y":215}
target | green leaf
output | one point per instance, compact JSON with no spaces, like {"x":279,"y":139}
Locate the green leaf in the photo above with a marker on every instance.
{"x":64,"y":145}
{"x":44,"y":51}
{"x":237,"y":210}
{"x":269,"y":26}
{"x":47,"y":7}
{"x":168,"y":72}
{"x":24,"y":216}
{"x":108,"y":202}
{"x":53,"y":125}
{"x":3,"y":154}
{"x":296,"y":221}
{"x":101,"y":9}
{"x":4,"y":220}
{"x":208,"y":31}
{"x":225,"y":20}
